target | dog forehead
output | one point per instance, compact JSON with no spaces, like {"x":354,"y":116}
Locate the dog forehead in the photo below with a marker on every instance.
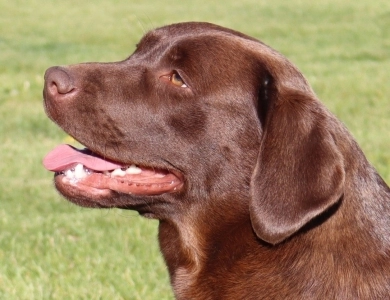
{"x":194,"y":34}
{"x":189,"y":43}
{"x":197,"y":28}
{"x":187,"y":29}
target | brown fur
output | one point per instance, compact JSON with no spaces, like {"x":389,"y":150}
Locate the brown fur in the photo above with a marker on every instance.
{"x":278,"y":200}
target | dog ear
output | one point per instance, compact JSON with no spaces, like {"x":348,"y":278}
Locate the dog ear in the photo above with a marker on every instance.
{"x":299,"y":172}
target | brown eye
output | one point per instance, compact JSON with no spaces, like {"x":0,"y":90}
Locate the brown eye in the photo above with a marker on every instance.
{"x":177,"y":80}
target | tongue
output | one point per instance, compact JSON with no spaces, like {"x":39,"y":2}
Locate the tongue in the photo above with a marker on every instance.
{"x":64,"y":156}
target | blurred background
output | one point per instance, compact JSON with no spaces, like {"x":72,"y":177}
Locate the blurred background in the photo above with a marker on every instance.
{"x":51,"y":249}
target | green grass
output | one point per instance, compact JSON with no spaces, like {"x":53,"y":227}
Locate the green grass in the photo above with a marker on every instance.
{"x":50,"y":249}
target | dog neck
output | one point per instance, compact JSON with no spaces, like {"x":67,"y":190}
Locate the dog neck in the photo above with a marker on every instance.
{"x":194,"y":247}
{"x":215,"y":247}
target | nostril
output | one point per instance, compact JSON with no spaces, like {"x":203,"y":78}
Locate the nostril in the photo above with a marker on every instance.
{"x":58,"y":81}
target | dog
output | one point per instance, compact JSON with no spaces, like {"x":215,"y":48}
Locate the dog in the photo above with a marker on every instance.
{"x":260,"y":192}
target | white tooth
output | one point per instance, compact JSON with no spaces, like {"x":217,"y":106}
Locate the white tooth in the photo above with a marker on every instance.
{"x":69,"y":174}
{"x":79,"y":172}
{"x":133,"y":170}
{"x":107,"y":173}
{"x":118,"y":172}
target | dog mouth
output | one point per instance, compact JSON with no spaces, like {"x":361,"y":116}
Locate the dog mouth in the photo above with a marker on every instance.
{"x":89,"y":172}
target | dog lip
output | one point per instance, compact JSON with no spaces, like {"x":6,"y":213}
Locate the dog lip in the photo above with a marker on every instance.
{"x":86,"y":171}
{"x":148,"y":184}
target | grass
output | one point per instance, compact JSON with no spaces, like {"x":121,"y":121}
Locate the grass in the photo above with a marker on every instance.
{"x":50,"y":249}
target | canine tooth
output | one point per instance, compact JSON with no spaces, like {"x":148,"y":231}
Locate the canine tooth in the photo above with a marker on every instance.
{"x":80,"y":172}
{"x":133,"y":169}
{"x":118,"y":172}
{"x":69,"y":173}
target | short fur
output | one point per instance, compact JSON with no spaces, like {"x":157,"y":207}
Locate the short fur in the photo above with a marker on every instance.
{"x":278,"y":201}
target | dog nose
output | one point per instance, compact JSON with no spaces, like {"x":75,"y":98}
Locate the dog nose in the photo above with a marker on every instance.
{"x":58,"y":82}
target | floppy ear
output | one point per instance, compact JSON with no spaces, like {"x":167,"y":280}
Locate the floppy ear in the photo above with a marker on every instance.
{"x":299,"y":171}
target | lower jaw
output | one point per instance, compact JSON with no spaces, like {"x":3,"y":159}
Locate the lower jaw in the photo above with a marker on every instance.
{"x":83,"y":195}
{"x":97,"y":191}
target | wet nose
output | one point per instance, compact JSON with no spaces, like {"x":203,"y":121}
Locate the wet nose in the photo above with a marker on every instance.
{"x":58,"y":82}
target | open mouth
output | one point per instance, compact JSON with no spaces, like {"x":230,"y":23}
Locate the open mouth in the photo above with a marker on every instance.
{"x":85,"y":170}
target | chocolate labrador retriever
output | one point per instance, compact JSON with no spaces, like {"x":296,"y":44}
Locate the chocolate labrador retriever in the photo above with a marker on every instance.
{"x":260,"y":191}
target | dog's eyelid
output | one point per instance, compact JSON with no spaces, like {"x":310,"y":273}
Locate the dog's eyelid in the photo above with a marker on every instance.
{"x":175,"y":79}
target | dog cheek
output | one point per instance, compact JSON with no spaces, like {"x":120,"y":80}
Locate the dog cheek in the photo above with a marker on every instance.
{"x":188,"y":124}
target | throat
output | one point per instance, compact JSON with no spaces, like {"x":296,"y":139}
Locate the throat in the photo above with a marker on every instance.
{"x":195,"y":250}
{"x":183,"y":251}
{"x":182,"y":245}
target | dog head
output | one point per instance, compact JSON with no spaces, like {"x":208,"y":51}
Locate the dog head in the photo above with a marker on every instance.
{"x":202,"y":114}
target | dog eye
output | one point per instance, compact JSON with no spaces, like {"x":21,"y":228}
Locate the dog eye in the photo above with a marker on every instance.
{"x":175,"y":79}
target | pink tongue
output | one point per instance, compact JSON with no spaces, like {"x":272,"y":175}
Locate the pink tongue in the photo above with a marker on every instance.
{"x":64,"y":156}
